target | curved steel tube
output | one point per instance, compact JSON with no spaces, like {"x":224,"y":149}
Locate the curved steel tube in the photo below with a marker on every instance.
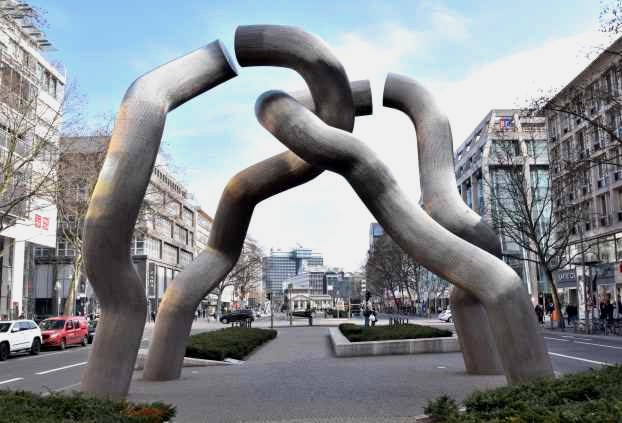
{"x":442,"y":201}
{"x":521,"y":347}
{"x":260,"y":45}
{"x":115,"y":203}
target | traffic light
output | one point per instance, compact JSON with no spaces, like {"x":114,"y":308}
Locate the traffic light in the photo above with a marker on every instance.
{"x":269,"y":295}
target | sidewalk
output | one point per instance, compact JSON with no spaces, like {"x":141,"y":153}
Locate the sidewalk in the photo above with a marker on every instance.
{"x":296,"y":377}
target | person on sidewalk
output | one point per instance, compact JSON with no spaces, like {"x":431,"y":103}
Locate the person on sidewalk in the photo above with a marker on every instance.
{"x":540,"y":313}
{"x":373,"y":317}
{"x":367,"y":307}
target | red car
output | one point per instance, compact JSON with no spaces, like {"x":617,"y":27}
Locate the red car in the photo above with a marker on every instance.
{"x":64,"y":330}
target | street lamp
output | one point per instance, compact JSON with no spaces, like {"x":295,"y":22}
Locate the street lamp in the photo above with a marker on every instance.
{"x":58,"y":286}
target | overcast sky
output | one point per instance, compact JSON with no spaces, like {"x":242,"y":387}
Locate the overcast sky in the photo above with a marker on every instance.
{"x":474,"y":56}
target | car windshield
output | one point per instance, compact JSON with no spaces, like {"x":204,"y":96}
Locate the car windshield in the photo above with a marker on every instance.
{"x":4,"y":327}
{"x":52,"y":324}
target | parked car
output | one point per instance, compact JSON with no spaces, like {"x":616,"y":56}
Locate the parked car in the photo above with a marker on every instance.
{"x":19,"y":336}
{"x":446,"y":316}
{"x":304,"y":313}
{"x":91,"y":330}
{"x":64,"y":330}
{"x":237,"y":316}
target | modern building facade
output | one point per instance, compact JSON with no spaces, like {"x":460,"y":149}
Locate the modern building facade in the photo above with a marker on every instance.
{"x":282,"y":265}
{"x":585,"y":140}
{"x":31,"y":92}
{"x":505,"y":137}
{"x":163,"y":241}
{"x":375,"y":232}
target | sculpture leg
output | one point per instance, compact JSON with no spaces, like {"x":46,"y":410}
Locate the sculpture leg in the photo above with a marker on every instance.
{"x":443,"y":203}
{"x":332,"y":98}
{"x":115,"y":204}
{"x":521,"y":347}
{"x":479,"y":350}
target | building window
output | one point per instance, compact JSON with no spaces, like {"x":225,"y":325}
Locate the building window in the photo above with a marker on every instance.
{"x":170,"y":253}
{"x":164,"y":226}
{"x":180,"y":234}
{"x":137,"y":246}
{"x":188,"y":216}
{"x":64,"y":248}
{"x":41,"y":252}
{"x":154,"y":247}
{"x":185,"y":257}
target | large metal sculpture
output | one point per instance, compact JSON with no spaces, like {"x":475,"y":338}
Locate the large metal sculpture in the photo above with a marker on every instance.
{"x":332,"y":99}
{"x":115,"y":204}
{"x":443,"y":202}
{"x":488,"y":289}
{"x":521,"y":348}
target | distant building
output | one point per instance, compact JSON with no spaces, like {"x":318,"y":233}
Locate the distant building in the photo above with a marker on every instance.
{"x":203,"y":229}
{"x":163,"y":241}
{"x":31,"y":93}
{"x":375,"y":232}
{"x":282,"y":265}
{"x":501,"y":135}
{"x":585,"y":133}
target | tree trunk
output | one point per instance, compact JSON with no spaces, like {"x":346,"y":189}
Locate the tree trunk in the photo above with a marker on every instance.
{"x":556,"y":301}
{"x":70,"y":302}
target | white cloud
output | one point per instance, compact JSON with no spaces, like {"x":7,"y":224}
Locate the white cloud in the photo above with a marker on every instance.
{"x":449,"y":24}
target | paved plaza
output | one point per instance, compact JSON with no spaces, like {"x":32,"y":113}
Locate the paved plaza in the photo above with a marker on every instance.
{"x":296,"y":376}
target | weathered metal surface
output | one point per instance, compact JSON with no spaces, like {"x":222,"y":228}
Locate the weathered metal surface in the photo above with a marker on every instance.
{"x":115,"y":204}
{"x":260,"y":45}
{"x":443,"y":202}
{"x":521,"y":347}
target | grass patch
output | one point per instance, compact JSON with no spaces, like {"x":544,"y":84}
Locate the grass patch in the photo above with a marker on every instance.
{"x":356,"y":333}
{"x":227,"y":343}
{"x":26,"y":407}
{"x":593,"y":396}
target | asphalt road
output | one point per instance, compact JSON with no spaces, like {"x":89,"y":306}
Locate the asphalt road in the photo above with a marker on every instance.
{"x":61,"y":370}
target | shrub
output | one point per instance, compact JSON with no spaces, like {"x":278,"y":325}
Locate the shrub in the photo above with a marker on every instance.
{"x":356,"y":333}
{"x":594,"y":396}
{"x":27,"y":407}
{"x":227,"y":343}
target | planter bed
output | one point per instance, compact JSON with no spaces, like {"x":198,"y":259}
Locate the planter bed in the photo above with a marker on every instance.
{"x":593,"y":396}
{"x":385,"y":340}
{"x":233,"y":342}
{"x":26,"y":407}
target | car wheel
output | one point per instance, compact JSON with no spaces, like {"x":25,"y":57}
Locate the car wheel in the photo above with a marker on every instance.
{"x":62,"y":345}
{"x":4,"y":351}
{"x":85,"y":341}
{"x":36,"y":347}
{"x":224,"y":321}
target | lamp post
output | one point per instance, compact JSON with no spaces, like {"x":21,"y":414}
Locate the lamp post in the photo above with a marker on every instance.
{"x":58,"y":286}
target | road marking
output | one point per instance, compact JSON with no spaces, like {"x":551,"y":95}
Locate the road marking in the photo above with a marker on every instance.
{"x":61,"y":368}
{"x":556,"y":339}
{"x":577,"y":337}
{"x":11,"y":380}
{"x":598,"y":345}
{"x":43,"y":355}
{"x":602,"y":363}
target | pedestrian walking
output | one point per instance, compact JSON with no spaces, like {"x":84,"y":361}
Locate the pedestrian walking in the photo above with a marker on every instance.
{"x":373,"y":318}
{"x":153,"y":315}
{"x":367,"y":308}
{"x":540,"y":313}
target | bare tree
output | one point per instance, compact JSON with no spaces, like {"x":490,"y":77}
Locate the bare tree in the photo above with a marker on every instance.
{"x":245,"y":275}
{"x":390,"y":269}
{"x":528,"y":214}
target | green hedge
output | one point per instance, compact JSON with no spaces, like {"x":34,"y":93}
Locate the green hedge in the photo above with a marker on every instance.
{"x":232,"y":342}
{"x":356,"y":333}
{"x":594,"y":396}
{"x":26,"y":407}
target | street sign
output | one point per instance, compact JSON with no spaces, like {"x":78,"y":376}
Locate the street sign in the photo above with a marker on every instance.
{"x":566,"y":278}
